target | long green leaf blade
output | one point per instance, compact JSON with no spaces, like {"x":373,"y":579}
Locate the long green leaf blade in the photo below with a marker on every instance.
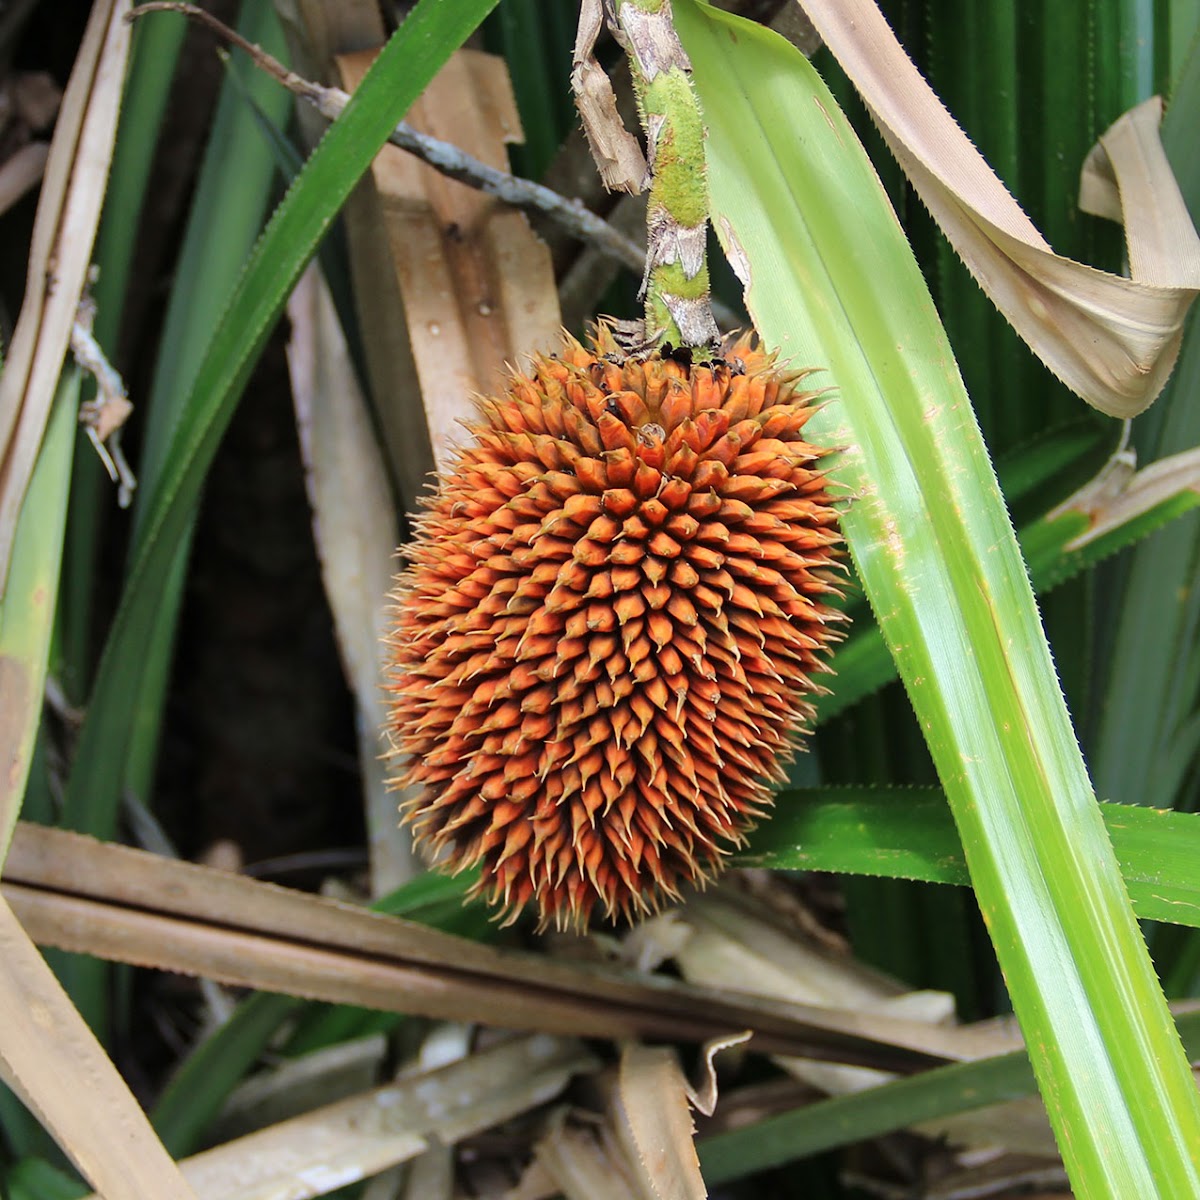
{"x":153,"y":57}
{"x":833,"y":282}
{"x":402,"y":71}
{"x":226,"y":217}
{"x":27,"y":609}
{"x":1055,"y":549}
{"x":908,"y":833}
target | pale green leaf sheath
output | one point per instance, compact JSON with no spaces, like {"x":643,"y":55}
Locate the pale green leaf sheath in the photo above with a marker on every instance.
{"x":832,"y":282}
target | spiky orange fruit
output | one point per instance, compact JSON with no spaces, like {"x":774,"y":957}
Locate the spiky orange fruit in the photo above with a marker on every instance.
{"x":610,"y":624}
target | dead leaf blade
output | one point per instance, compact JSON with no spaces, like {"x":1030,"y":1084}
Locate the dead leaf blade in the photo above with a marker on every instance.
{"x":88,"y":897}
{"x":1121,"y":494}
{"x":343,"y":1143}
{"x":356,"y":534}
{"x":652,"y":1119}
{"x":575,"y":1161}
{"x":1112,"y":341}
{"x":52,"y":1060}
{"x":68,"y":214}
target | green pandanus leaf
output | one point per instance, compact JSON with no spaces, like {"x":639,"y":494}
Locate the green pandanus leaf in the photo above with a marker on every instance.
{"x":833,"y":282}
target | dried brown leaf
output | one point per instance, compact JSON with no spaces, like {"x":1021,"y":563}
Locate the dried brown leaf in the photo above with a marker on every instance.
{"x":299,"y":1085}
{"x":1127,"y":173}
{"x":52,"y":1061}
{"x":732,"y":940}
{"x":1019,"y":1126}
{"x":76,"y":893}
{"x":1121,"y":493}
{"x":577,"y":1161}
{"x":735,"y":942}
{"x":450,"y":285}
{"x":60,"y":256}
{"x":430,"y":1176}
{"x":651,"y":1117}
{"x":702,"y":1092}
{"x":19,"y":695}
{"x":1111,"y":340}
{"x":354,"y":1139}
{"x":617,"y":153}
{"x":356,"y":534}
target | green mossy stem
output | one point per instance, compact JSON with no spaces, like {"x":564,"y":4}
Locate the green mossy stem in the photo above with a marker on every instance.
{"x":679,"y":183}
{"x":673,"y":279}
{"x":676,"y":283}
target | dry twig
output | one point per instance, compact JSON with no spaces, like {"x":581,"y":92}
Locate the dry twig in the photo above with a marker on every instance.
{"x":103,"y":417}
{"x":572,"y":216}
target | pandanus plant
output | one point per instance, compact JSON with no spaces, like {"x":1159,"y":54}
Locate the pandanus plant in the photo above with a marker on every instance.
{"x":514,"y":638}
{"x":727,"y":658}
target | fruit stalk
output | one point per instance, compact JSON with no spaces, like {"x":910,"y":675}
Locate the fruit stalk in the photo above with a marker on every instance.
{"x":676,"y":286}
